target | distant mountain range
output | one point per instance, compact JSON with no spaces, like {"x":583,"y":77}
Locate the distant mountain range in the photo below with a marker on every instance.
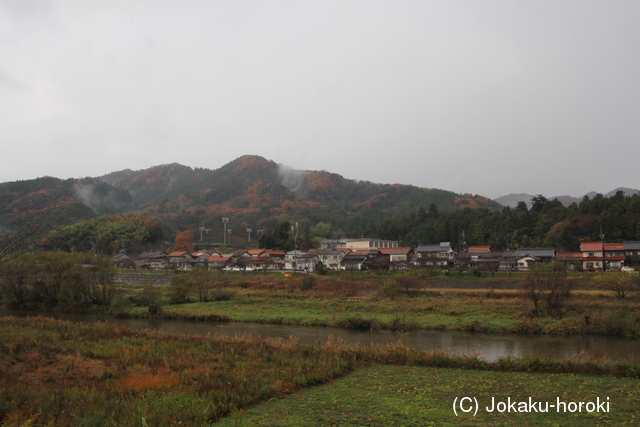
{"x":512,"y":200}
{"x":251,"y":190}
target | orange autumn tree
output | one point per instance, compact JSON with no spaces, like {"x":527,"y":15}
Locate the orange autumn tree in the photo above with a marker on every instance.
{"x":184,"y":241}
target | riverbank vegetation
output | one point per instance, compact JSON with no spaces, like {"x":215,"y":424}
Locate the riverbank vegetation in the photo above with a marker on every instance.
{"x":401,"y":303}
{"x":542,"y":301}
{"x":57,"y":280}
{"x":67,"y":374}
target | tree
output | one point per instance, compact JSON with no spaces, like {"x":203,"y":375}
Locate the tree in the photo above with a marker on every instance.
{"x":307,"y":241}
{"x":548,"y":289}
{"x":321,"y":229}
{"x":50,"y":279}
{"x":282,"y":236}
{"x":184,"y":241}
{"x":433,"y":211}
{"x":17,"y":280}
{"x":620,"y":284}
{"x":266,"y":241}
{"x":12,"y":246}
{"x":179,"y":289}
{"x":538,"y":203}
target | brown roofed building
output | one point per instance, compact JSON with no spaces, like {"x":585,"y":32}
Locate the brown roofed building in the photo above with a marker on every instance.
{"x":479,"y":250}
{"x":218,"y":262}
{"x":592,"y":256}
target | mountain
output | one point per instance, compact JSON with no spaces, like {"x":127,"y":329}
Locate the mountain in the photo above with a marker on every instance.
{"x":58,"y":202}
{"x":259,"y":192}
{"x":251,"y":191}
{"x":512,"y":200}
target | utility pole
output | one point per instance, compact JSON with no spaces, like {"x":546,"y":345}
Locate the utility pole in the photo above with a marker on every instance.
{"x":225,"y":221}
{"x":249,"y":234}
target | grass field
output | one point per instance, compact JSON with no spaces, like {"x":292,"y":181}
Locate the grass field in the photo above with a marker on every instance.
{"x":336,"y":303}
{"x":419,"y":396}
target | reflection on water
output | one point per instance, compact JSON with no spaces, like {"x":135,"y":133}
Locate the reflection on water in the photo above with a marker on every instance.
{"x":488,"y":346}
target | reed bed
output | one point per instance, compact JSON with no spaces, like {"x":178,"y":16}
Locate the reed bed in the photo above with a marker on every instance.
{"x":67,"y":374}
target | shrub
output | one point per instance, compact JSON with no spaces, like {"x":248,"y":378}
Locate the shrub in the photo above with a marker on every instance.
{"x":620,"y":284}
{"x":390,"y":289}
{"x":222,"y":295}
{"x":179,"y":289}
{"x":410,"y":285}
{"x":307,"y":283}
{"x":321,"y":269}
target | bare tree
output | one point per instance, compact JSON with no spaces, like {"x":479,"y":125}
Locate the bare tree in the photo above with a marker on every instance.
{"x":548,"y":289}
{"x":14,"y":245}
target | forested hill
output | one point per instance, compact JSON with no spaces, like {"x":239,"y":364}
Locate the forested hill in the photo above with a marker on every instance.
{"x":251,"y":191}
{"x":256,"y":192}
{"x":547,"y":223}
{"x":55,"y":202}
{"x":512,"y":200}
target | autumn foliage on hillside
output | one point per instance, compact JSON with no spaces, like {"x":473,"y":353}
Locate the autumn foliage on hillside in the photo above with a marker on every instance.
{"x":472,"y":202}
{"x":251,"y":191}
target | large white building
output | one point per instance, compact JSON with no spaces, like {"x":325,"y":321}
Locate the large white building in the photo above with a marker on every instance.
{"x":359,"y":244}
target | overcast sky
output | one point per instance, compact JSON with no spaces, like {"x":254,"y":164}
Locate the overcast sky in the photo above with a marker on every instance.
{"x":480,"y":96}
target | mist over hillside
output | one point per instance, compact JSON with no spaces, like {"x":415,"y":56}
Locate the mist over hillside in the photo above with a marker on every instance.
{"x":251,"y":190}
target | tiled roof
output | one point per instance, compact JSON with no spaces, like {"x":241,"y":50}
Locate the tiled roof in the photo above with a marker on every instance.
{"x":591,"y":247}
{"x":614,"y":247}
{"x":433,"y":248}
{"x":479,"y":249}
{"x":536,"y":252}
{"x":280,"y":253}
{"x":217,"y":258}
{"x":632,"y":246}
{"x":395,"y":251}
{"x":178,"y":253}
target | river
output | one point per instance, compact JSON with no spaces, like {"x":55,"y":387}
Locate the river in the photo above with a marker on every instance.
{"x":487,"y":346}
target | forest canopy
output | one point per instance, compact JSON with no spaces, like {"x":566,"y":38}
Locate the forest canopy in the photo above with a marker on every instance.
{"x":546,"y":224}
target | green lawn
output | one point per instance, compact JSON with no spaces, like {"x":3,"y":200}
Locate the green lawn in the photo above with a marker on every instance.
{"x":421,"y":396}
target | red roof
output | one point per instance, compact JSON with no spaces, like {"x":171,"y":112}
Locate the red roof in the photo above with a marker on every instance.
{"x":178,"y":253}
{"x":479,"y":249}
{"x":591,"y":246}
{"x":218,"y":258}
{"x":280,"y":253}
{"x":614,"y":247}
{"x":255,"y":252}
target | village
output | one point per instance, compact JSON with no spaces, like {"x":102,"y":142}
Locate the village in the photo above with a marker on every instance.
{"x":387,"y":255}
